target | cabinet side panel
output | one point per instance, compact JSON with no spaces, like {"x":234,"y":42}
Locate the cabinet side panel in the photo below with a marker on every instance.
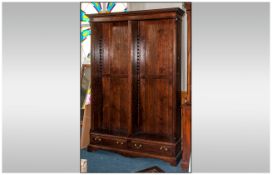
{"x":96,"y":83}
{"x":107,"y":33}
{"x":178,"y":79}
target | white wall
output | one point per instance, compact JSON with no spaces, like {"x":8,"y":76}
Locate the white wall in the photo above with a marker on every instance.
{"x":151,"y":5}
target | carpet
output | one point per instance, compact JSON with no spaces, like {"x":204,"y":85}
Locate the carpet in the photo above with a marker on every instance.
{"x":109,"y":162}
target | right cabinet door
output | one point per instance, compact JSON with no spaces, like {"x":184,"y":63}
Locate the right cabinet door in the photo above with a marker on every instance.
{"x":156,"y":78}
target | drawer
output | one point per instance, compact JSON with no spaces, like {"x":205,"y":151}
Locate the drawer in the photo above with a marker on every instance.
{"x":152,"y":148}
{"x":111,"y":141}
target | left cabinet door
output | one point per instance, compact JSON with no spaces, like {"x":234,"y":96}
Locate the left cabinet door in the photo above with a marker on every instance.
{"x":111,"y":78}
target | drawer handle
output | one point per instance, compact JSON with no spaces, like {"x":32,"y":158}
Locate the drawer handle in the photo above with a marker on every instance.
{"x":97,"y":139}
{"x":138,"y":146}
{"x":163,"y":148}
{"x":121,"y":143}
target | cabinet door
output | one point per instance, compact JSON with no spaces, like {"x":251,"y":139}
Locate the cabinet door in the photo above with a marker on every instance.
{"x":111,"y":84}
{"x":157,"y":91}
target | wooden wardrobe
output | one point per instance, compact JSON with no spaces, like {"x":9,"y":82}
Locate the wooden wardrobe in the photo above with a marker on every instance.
{"x":136,"y":83}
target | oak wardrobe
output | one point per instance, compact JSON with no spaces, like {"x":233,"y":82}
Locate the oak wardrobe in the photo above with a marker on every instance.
{"x":136,"y":83}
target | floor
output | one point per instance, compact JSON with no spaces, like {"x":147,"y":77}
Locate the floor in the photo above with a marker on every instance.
{"x":109,"y":162}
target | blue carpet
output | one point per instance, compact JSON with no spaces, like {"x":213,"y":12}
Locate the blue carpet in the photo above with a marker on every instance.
{"x":109,"y":162}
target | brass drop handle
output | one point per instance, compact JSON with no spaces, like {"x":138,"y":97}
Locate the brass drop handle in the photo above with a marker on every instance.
{"x":121,"y":143}
{"x":138,"y":146}
{"x":164,"y":148}
{"x":97,"y":139}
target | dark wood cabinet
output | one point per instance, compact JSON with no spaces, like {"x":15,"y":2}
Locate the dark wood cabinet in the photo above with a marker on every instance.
{"x":135,"y":82}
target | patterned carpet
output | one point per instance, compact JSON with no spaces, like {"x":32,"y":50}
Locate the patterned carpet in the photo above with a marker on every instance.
{"x":109,"y":162}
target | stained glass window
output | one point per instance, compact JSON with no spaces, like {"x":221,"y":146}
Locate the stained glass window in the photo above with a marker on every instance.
{"x":92,"y":8}
{"x":116,"y":7}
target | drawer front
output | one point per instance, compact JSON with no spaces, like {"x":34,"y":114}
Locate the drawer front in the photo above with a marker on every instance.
{"x":152,"y":148}
{"x":108,"y":141}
